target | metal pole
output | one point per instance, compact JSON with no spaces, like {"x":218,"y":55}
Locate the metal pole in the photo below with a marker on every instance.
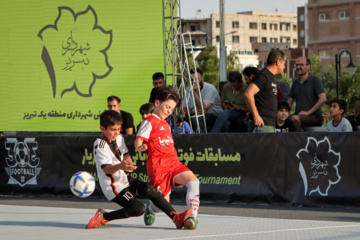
{"x":337,"y":75}
{"x":222,"y":68}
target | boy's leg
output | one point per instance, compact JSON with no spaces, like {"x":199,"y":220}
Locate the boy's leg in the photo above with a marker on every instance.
{"x":131,"y":207}
{"x":147,"y":190}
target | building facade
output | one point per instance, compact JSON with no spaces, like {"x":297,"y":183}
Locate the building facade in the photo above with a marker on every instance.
{"x":334,"y":26}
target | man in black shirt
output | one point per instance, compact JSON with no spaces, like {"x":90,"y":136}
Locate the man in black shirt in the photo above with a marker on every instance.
{"x":127,"y":127}
{"x":158,"y":81}
{"x":261,"y":95}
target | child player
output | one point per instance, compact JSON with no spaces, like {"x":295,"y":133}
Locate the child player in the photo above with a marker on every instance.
{"x":338,"y":124}
{"x":112,"y":160}
{"x":163,"y":167}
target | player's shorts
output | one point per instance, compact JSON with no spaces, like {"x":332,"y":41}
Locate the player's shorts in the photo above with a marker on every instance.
{"x":162,"y":182}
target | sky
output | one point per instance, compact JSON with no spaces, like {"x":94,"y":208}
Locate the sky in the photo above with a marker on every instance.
{"x":189,"y":8}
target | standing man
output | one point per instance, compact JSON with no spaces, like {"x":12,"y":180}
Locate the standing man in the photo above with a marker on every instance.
{"x":261,"y":95}
{"x":210,"y":102}
{"x":127,"y":126}
{"x":158,"y":81}
{"x":309,"y":94}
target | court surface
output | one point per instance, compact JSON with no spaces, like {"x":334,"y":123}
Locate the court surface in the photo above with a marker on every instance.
{"x":49,"y":218}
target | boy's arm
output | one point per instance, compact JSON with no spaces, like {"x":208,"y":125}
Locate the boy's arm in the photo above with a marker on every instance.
{"x":139,"y":145}
{"x":126,"y":165}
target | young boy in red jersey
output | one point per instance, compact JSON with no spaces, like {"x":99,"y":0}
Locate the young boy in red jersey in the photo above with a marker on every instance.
{"x":112,"y":160}
{"x":163,"y":167}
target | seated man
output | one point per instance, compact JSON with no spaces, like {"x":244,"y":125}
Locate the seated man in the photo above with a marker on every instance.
{"x":209,"y":106}
{"x":355,"y":119}
{"x":309,"y":94}
{"x":233,"y":103}
{"x":127,"y":127}
{"x":158,"y":81}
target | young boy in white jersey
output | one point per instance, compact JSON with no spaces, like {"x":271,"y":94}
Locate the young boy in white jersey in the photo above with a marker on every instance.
{"x":163,"y":167}
{"x":112,"y":160}
{"x":338,"y":124}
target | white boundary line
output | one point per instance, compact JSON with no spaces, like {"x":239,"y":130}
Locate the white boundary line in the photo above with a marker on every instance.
{"x":261,"y":232}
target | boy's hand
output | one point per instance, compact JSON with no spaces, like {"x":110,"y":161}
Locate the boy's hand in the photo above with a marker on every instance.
{"x":142,"y":148}
{"x":128,"y":165}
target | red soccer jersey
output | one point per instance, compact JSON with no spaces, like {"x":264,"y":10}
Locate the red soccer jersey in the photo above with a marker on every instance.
{"x":162,"y":155}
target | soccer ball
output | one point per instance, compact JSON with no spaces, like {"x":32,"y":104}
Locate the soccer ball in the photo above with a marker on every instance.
{"x":82,"y":184}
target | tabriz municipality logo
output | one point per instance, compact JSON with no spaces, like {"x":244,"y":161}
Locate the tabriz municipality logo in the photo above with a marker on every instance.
{"x":318,"y":166}
{"x":75,"y":51}
{"x":22,"y":161}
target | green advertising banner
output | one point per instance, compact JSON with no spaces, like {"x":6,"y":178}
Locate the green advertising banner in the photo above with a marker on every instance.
{"x":60,"y":60}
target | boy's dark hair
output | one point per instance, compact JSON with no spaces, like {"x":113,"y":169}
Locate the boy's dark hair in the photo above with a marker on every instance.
{"x":158,"y":75}
{"x":146,"y":108}
{"x":250,"y":70}
{"x":111,"y":98}
{"x":110,"y":118}
{"x":235,"y":76}
{"x":273,"y":56}
{"x":283,"y":105}
{"x":165,"y":93}
{"x":342,"y":104}
{"x":197,"y":70}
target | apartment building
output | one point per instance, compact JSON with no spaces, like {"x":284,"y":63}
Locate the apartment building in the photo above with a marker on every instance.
{"x":334,"y":26}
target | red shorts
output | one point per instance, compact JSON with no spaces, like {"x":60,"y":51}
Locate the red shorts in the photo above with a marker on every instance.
{"x":162,"y":182}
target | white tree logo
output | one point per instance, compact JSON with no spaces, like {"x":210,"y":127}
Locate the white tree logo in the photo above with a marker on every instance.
{"x":318,"y":166}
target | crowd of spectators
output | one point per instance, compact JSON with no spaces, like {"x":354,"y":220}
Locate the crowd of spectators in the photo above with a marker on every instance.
{"x":250,"y":101}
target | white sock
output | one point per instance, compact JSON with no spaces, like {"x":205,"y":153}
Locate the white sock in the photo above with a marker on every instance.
{"x":153,"y":208}
{"x":193,"y":197}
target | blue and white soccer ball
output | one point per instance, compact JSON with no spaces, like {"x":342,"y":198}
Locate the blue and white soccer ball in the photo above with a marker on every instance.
{"x":82,"y":184}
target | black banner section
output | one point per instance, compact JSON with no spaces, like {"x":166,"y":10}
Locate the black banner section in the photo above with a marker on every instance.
{"x":312,"y":169}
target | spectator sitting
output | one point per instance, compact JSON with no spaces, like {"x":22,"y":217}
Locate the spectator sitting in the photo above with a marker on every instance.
{"x":182,"y":127}
{"x":338,"y":124}
{"x":158,"y":81}
{"x":283,"y":124}
{"x":127,"y":126}
{"x":309,"y":94}
{"x":145,"y":110}
{"x":354,"y":119}
{"x":209,"y":106}
{"x":233,"y":103}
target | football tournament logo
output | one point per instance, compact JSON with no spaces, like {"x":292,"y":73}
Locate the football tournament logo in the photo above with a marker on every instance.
{"x":22,"y":161}
{"x":75,"y":51}
{"x":318,"y":166}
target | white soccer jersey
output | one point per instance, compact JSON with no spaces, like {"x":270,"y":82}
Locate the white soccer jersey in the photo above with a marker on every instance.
{"x":111,"y":184}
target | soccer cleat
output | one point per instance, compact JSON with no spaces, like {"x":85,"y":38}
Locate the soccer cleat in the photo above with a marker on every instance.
{"x":190,"y":223}
{"x":179,"y":218}
{"x":97,"y":221}
{"x":149,"y":218}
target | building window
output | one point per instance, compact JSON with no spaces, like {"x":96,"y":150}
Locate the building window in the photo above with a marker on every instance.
{"x":217,"y":24}
{"x":263,"y":26}
{"x":302,"y":18}
{"x":344,"y":15}
{"x":235,"y":24}
{"x":192,"y":28}
{"x":263,"y":39}
{"x":193,"y":42}
{"x":294,"y":41}
{"x":253,"y":25}
{"x":323,"y":17}
{"x":324,"y":53}
{"x":302,"y":33}
{"x":253,"y":39}
{"x":218,"y":38}
{"x":273,"y":40}
{"x":344,"y":53}
{"x":235,"y":39}
{"x":273,"y":26}
{"x":294,"y":28}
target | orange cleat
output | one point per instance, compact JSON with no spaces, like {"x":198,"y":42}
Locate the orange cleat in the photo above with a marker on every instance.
{"x":179,"y":218}
{"x":97,"y":221}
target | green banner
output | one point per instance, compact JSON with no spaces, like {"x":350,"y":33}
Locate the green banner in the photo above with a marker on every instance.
{"x":60,"y":60}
